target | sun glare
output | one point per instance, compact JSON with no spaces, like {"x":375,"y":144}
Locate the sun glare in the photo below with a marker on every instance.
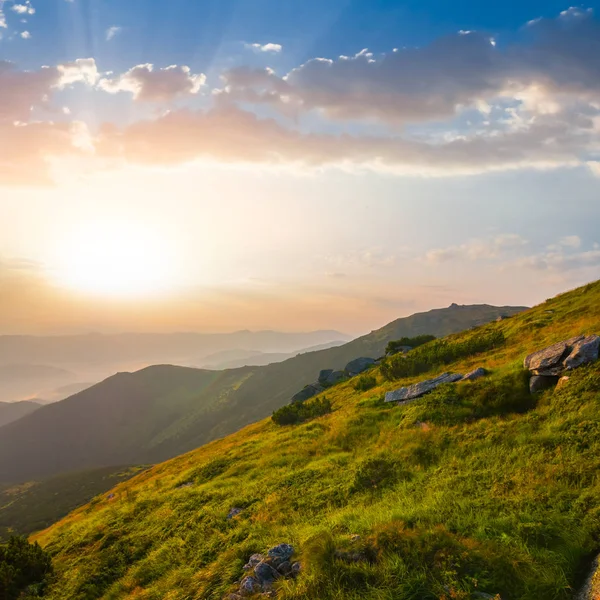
{"x":115,"y":260}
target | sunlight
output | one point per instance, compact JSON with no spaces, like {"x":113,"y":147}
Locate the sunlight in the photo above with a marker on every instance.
{"x":113,"y":259}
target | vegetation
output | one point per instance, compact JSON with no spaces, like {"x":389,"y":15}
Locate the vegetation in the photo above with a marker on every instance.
{"x":298,"y":412}
{"x":25,"y":569}
{"x":476,"y":488}
{"x":163,"y":411}
{"x":396,"y":346}
{"x":441,"y":352}
{"x":364,"y":383}
{"x":36,"y":505}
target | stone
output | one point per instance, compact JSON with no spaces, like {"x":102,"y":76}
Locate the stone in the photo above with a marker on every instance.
{"x":234,"y":512}
{"x":583,"y":351}
{"x":249,"y":585}
{"x":307,"y":392}
{"x":539,"y":383}
{"x":296,"y":568}
{"x":324,"y":375}
{"x":281,"y":553}
{"x":254,"y":560}
{"x":591,"y":587}
{"x":285,"y":568}
{"x":476,"y":374}
{"x":417,"y":390}
{"x":546,"y":358}
{"x":335,"y":377}
{"x":358,"y":365}
{"x":562,"y":381}
{"x":265,"y":573}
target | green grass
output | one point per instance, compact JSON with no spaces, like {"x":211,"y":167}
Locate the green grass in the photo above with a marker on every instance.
{"x":478,"y":487}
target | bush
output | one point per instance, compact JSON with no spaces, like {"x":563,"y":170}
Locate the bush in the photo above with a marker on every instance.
{"x":24,"y":569}
{"x":394,"y":346}
{"x":376,"y":473}
{"x":299,"y":412}
{"x":438,"y":353}
{"x":364,"y":383}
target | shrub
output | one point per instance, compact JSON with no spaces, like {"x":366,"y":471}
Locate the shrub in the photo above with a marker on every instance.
{"x":438,"y":353}
{"x":299,"y":412}
{"x":376,"y":473}
{"x":394,"y":346}
{"x":364,"y":383}
{"x":24,"y":569}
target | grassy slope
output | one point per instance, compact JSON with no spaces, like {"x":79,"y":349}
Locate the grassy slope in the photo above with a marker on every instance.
{"x":13,"y":411}
{"x":162,"y":411}
{"x":36,"y":505}
{"x":494,"y":494}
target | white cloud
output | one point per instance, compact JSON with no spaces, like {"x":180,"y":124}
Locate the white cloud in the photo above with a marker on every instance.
{"x":594,"y":167}
{"x":111,"y":32}
{"x":23,"y":9}
{"x":25,"y":35}
{"x":269,"y":47}
{"x":81,"y":70}
{"x":477,"y":249}
{"x":155,"y":85}
{"x":570,"y":241}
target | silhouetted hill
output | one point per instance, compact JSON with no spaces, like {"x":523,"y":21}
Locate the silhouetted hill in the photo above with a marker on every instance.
{"x":12,"y":411}
{"x":162,"y":411}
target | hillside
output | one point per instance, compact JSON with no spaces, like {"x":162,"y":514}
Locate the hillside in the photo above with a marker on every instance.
{"x":35,"y":505}
{"x":162,"y":411}
{"x":12,"y":411}
{"x":479,"y":490}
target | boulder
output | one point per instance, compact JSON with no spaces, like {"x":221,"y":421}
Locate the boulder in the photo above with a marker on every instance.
{"x":296,"y":568}
{"x":254,"y":560}
{"x":307,"y":392}
{"x":285,"y":568}
{"x":335,"y":377}
{"x":476,"y":374}
{"x":324,"y":375}
{"x":562,"y":381}
{"x":583,"y":351}
{"x":281,"y":553}
{"x":265,"y":573}
{"x":545,"y":359}
{"x":249,"y":585}
{"x":417,"y":390}
{"x":539,"y":383}
{"x":358,"y":365}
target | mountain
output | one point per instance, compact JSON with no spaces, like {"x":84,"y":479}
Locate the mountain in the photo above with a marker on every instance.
{"x":37,"y":504}
{"x":478,"y":490}
{"x":12,"y":411}
{"x":162,"y":411}
{"x":24,"y":380}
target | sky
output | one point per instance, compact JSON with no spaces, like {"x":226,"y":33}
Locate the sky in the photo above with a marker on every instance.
{"x":277,"y":164}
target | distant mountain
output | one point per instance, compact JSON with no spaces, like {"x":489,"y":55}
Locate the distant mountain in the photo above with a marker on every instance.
{"x":162,"y":411}
{"x":12,"y":411}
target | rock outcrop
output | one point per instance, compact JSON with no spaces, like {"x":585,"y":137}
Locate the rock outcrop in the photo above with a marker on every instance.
{"x":406,"y":394}
{"x":551,"y":363}
{"x":476,"y":374}
{"x":359,"y":365}
{"x":308,"y":391}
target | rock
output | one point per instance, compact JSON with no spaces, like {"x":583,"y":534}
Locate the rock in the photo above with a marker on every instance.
{"x":546,"y":358}
{"x":583,"y":351}
{"x":249,"y":586}
{"x":335,"y":377}
{"x":562,"y":381}
{"x":323,"y":376}
{"x":296,"y":568}
{"x":254,"y":560}
{"x":591,"y":588}
{"x":185,"y":485}
{"x":265,"y":573}
{"x":539,"y":383}
{"x":419,"y":389}
{"x":308,"y":392}
{"x":358,"y":365}
{"x":285,"y":568}
{"x":476,"y":374}
{"x":234,"y":512}
{"x":281,"y":553}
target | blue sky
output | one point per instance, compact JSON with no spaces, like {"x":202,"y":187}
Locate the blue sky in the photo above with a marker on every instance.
{"x":292,"y":165}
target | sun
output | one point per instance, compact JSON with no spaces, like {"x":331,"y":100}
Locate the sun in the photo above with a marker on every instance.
{"x":115,"y":259}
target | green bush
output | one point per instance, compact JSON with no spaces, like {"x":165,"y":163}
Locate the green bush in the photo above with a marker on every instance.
{"x":394,"y":346}
{"x":299,"y":412}
{"x":438,"y":353}
{"x":24,"y":569}
{"x":376,"y":473}
{"x":365,"y":382}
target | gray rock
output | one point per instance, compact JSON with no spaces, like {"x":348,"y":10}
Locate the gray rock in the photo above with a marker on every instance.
{"x":324,"y":375}
{"x":591,"y":588}
{"x":296,"y":568}
{"x":546,"y":358}
{"x":476,"y":374}
{"x":249,"y":585}
{"x":417,"y":390}
{"x":358,"y":365}
{"x":253,"y":561}
{"x":539,"y":383}
{"x":335,"y":377}
{"x":285,"y":568}
{"x":234,"y":512}
{"x":583,"y":351}
{"x":265,"y":573}
{"x":307,"y":392}
{"x":281,"y":553}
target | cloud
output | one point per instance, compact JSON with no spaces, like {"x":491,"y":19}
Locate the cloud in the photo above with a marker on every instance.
{"x":594,"y":167}
{"x":25,"y":35}
{"x":148,"y":84}
{"x":23,"y":9}
{"x":111,"y":32}
{"x":557,"y":57}
{"x":559,"y":260}
{"x":269,"y":47}
{"x":81,"y":70}
{"x":477,"y":249}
